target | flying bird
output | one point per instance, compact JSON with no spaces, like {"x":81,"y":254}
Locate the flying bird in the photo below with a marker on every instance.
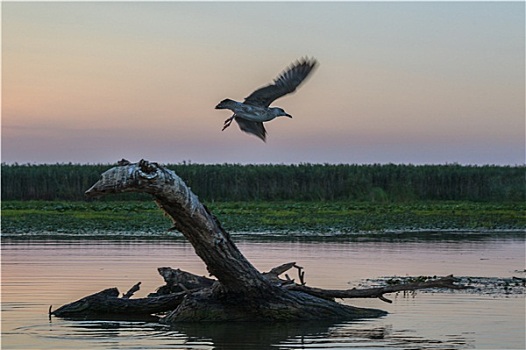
{"x":254,"y":111}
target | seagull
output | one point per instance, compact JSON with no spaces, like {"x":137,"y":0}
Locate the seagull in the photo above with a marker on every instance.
{"x":254,"y":111}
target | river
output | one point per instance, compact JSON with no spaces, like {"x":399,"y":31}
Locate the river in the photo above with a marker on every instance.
{"x":40,"y":273}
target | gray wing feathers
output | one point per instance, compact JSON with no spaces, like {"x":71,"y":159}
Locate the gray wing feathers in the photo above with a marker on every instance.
{"x":255,"y":128}
{"x":285,"y":83}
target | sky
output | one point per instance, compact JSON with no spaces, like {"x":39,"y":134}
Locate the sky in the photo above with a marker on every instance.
{"x":397,"y":82}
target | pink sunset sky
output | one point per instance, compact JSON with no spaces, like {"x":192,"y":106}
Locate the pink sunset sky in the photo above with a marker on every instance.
{"x":398,"y":82}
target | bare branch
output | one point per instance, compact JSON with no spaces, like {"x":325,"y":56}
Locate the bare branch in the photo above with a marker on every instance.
{"x":444,"y":282}
{"x":132,"y":290}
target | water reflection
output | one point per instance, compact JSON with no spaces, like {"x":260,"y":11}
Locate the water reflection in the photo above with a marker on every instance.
{"x":358,"y":335}
{"x":314,"y":335}
{"x":106,"y":334}
{"x":247,"y":335}
{"x":257,"y":336}
{"x":38,"y":274}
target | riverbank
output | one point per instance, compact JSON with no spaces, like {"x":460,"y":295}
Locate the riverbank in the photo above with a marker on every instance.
{"x":143,"y":218}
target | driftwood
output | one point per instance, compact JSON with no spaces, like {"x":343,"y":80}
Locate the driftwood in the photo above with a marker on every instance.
{"x":181,"y":283}
{"x":444,"y":282}
{"x":240,"y":292}
{"x":107,"y":302}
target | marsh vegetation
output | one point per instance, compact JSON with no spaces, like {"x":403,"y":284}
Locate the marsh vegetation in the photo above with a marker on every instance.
{"x":278,"y":198}
{"x":304,"y":182}
{"x":141,"y":218}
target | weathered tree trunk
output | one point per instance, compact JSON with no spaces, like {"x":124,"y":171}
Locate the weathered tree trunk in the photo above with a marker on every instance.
{"x":210,"y":241}
{"x":179,"y":284}
{"x":107,"y":302}
{"x":241,"y":292}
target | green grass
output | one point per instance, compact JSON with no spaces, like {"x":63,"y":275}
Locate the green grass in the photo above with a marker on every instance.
{"x":140,"y":217}
{"x":82,"y":217}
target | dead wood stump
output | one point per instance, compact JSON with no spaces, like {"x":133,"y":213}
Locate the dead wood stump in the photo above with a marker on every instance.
{"x":240,"y":293}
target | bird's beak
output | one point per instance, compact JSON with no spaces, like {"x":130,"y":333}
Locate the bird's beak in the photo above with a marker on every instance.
{"x":288,"y":115}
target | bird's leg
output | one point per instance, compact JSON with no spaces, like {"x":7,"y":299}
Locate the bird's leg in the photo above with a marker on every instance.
{"x":227,"y":123}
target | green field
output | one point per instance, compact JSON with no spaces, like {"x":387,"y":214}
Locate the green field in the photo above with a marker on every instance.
{"x":144,"y":218}
{"x":296,"y":200}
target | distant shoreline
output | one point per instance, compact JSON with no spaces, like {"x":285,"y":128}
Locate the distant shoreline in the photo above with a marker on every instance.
{"x":416,"y":235}
{"x":266,"y":219}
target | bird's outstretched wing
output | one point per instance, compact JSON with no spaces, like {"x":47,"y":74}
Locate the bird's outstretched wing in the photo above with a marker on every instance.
{"x":285,"y":83}
{"x":255,"y":128}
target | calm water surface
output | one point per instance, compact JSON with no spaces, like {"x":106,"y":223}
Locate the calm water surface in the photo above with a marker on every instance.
{"x":37,"y":274}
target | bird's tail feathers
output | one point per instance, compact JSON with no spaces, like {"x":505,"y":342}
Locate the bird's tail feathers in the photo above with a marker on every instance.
{"x":226,"y":104}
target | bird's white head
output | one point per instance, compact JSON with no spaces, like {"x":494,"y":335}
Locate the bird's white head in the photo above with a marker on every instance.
{"x":279,"y":112}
